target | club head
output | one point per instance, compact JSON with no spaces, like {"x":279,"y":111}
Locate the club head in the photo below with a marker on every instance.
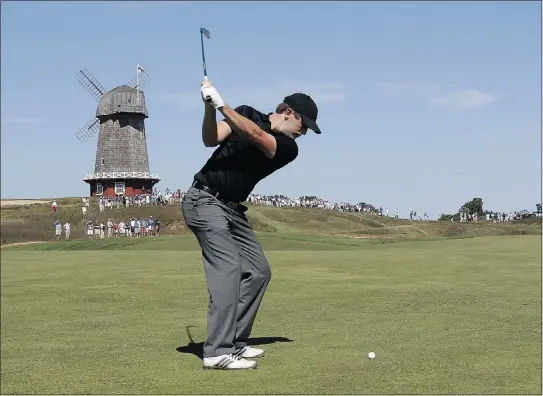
{"x":205,"y":32}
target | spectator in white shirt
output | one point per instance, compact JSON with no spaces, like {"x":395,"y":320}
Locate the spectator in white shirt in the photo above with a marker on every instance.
{"x":67,"y":230}
{"x":58,"y":229}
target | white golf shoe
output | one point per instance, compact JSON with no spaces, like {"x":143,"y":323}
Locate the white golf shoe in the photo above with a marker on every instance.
{"x":249,"y":352}
{"x":229,"y":362}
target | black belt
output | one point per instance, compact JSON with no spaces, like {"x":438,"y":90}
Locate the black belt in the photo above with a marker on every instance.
{"x":203,"y":187}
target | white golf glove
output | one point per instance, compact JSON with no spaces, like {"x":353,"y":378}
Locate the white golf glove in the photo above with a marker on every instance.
{"x":211,"y":92}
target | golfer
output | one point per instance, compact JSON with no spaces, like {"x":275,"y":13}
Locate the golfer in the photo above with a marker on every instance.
{"x":251,"y":146}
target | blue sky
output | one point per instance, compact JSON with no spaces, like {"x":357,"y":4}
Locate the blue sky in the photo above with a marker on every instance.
{"x":422,"y":105}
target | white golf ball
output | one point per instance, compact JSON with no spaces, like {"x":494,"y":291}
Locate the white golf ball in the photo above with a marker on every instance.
{"x":371,"y":355}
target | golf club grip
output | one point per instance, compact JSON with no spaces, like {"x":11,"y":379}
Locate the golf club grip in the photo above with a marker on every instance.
{"x":208,"y":98}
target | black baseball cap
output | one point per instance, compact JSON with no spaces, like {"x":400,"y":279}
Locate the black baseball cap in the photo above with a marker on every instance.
{"x":306,"y":107}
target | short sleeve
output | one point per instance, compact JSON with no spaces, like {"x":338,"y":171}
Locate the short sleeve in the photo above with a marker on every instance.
{"x":286,"y":151}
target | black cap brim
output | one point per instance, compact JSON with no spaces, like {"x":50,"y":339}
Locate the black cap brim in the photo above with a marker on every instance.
{"x":309,"y":123}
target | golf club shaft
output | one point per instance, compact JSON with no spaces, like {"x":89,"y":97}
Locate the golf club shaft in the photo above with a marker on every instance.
{"x":203,"y":54}
{"x":188,"y":333}
{"x":208,"y":98}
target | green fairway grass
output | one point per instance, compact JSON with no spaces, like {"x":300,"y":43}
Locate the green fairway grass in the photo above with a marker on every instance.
{"x":111,"y":317}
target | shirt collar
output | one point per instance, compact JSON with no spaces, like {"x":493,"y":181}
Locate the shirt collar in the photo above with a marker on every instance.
{"x":267,"y":121}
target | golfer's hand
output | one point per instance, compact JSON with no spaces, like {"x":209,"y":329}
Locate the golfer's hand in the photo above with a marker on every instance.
{"x":209,"y":92}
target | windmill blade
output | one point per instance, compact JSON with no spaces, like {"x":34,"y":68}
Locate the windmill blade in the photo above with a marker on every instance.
{"x":88,"y":130}
{"x":144,"y":80}
{"x":91,"y":84}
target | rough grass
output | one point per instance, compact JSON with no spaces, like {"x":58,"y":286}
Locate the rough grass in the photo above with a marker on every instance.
{"x":36,"y":223}
{"x":452,"y":316}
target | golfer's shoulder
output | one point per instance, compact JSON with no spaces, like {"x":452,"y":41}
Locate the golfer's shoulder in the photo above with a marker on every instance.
{"x":287,"y":148}
{"x":249,"y":112}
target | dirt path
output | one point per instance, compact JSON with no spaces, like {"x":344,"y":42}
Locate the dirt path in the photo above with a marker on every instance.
{"x":20,"y":243}
{"x":21,"y":202}
{"x":364,"y":236}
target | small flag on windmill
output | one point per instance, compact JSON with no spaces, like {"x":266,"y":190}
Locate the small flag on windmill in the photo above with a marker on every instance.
{"x":139,"y":70}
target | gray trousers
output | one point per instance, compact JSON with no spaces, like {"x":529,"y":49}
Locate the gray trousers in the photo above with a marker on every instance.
{"x":237,"y":272}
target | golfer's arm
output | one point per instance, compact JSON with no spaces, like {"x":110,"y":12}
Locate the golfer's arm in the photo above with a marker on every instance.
{"x":242,"y":125}
{"x":212,"y":133}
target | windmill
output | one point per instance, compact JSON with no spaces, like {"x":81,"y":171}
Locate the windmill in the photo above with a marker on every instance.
{"x":122,"y":163}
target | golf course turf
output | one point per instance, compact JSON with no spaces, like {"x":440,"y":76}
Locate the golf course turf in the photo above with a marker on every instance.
{"x":114,"y":317}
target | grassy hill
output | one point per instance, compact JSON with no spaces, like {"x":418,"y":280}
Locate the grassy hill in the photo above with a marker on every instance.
{"x":35,"y":222}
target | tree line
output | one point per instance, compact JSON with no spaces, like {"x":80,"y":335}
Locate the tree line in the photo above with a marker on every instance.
{"x":475,"y":206}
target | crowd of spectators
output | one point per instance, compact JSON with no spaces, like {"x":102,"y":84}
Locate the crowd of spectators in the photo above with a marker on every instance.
{"x":136,"y":227}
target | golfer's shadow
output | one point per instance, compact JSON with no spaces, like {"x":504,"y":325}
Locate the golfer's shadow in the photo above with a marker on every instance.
{"x":196,"y":348}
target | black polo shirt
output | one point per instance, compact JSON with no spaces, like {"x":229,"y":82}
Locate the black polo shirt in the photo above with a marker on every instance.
{"x":237,"y":165}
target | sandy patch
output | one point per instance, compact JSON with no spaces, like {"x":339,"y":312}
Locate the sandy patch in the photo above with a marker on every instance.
{"x":21,"y":202}
{"x":21,"y":243}
{"x":364,"y":236}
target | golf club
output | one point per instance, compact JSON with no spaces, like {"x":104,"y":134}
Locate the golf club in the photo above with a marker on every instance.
{"x":191,"y":341}
{"x":204,"y":32}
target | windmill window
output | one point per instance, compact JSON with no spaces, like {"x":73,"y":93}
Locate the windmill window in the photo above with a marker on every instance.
{"x":99,"y":189}
{"x":119,"y":188}
{"x":103,"y":161}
